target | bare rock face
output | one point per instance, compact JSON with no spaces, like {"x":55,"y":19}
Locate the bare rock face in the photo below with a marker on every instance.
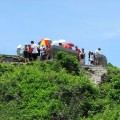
{"x":10,"y":58}
{"x":98,"y":74}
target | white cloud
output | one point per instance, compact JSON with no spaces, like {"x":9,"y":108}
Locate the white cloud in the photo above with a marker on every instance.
{"x":111,"y":34}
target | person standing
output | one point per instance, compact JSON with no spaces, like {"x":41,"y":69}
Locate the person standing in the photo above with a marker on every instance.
{"x":48,"y":52}
{"x":42,"y":53}
{"x":25,"y":52}
{"x":92,"y":58}
{"x":35,"y":50}
{"x":89,"y":53}
{"x":30,"y":52}
{"x":78,"y":51}
{"x":97,"y":56}
{"x":82,"y":56}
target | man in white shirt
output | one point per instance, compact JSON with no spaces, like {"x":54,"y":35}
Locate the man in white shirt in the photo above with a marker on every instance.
{"x":97,"y":56}
{"x":35,"y":50}
{"x":97,"y":52}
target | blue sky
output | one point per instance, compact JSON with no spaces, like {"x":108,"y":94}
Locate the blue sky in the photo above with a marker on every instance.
{"x":88,"y":24}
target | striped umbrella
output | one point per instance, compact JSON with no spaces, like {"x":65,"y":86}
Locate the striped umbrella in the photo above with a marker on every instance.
{"x":45,"y":41}
{"x":66,"y":46}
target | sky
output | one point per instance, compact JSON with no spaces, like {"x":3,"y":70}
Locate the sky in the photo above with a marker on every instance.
{"x":89,"y":24}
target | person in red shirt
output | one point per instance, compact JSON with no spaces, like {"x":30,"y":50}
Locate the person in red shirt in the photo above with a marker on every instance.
{"x":78,"y":51}
{"x":30,"y":52}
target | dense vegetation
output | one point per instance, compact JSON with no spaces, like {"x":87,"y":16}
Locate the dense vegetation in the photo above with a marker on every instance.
{"x":57,"y":90}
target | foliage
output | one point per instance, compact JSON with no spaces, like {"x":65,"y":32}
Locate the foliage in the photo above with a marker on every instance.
{"x":69,"y":62}
{"x":45,"y":91}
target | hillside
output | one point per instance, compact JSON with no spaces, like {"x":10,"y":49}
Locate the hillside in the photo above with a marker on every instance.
{"x":98,"y":74}
{"x":58,"y":90}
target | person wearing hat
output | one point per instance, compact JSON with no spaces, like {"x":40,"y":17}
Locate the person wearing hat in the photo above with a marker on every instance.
{"x":97,"y":56}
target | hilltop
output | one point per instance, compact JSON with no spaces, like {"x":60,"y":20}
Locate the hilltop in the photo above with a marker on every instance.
{"x":98,"y":74}
{"x":58,"y":90}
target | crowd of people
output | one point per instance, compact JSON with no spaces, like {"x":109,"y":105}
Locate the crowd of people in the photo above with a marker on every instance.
{"x":93,"y":57}
{"x":32,"y":52}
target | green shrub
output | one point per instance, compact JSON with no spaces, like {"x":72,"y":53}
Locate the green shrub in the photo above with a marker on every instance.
{"x":70,"y":63}
{"x":45,"y":91}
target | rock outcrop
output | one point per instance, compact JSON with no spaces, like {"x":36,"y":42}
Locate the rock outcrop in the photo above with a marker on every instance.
{"x":10,"y":59}
{"x":98,"y":74}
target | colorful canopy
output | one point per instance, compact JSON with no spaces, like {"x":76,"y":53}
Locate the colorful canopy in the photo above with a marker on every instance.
{"x":71,"y":44}
{"x":45,"y":41}
{"x":66,"y":46}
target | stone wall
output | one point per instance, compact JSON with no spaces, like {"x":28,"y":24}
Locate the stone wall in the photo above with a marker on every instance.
{"x":55,"y":49}
{"x":102,"y":60}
